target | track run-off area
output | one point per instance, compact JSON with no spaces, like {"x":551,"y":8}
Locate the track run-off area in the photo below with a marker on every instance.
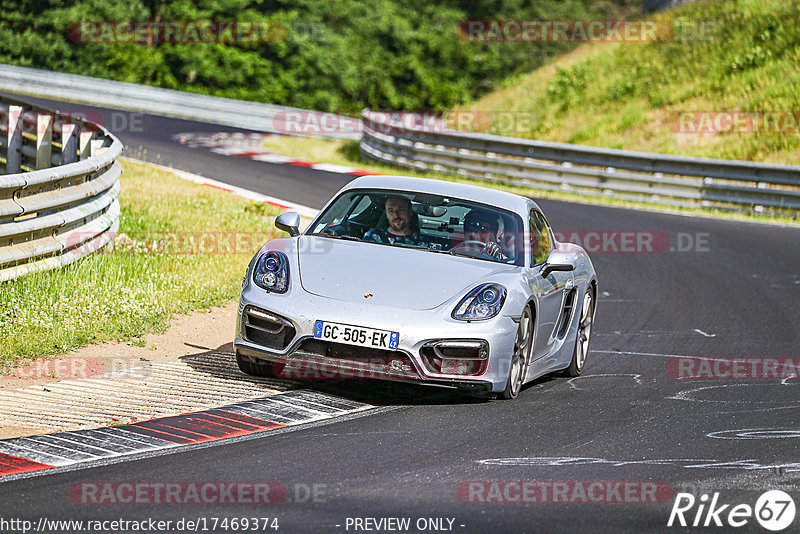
{"x":660,"y":409}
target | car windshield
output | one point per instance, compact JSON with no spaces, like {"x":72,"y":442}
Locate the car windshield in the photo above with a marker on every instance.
{"x":425,"y":221}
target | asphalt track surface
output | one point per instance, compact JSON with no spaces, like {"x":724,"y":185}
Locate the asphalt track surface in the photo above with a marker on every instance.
{"x":626,"y":419}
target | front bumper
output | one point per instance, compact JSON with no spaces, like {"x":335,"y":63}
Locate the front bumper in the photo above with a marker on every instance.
{"x":306,"y":357}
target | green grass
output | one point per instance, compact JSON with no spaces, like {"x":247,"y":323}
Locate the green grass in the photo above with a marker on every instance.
{"x":720,"y":56}
{"x":157,"y":269}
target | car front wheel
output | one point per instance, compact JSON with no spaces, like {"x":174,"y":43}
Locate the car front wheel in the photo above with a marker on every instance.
{"x":584,"y":334}
{"x":519,"y":359}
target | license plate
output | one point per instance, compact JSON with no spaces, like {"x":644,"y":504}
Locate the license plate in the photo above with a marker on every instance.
{"x":356,"y":335}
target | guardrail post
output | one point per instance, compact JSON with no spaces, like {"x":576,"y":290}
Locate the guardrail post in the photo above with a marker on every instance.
{"x":69,"y":143}
{"x":44,"y":140}
{"x":85,"y":144}
{"x":96,"y":147}
{"x":14,"y":139}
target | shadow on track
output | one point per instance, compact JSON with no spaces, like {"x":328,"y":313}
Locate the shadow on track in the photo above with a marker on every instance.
{"x":221,"y":363}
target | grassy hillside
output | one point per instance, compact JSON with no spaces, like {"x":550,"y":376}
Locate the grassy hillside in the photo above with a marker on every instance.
{"x":714,"y":56}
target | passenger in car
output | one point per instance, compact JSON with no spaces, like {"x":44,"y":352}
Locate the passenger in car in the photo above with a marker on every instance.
{"x":400,"y":226}
{"x":482,"y":234}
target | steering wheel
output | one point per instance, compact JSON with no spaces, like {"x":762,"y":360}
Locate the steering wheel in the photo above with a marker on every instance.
{"x":472,"y":246}
{"x":468,"y":243}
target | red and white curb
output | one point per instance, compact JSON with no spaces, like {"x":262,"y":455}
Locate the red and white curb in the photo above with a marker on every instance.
{"x":242,"y":145}
{"x":41,"y":453}
{"x":304,"y":211}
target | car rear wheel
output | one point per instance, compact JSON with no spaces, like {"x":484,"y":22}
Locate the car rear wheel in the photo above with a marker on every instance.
{"x":584,"y":335}
{"x":519,"y":359}
{"x":260,"y":368}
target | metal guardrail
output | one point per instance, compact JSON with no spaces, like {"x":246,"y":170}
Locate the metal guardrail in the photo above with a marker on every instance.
{"x":657,"y":178}
{"x":58,"y":200}
{"x":121,"y":95}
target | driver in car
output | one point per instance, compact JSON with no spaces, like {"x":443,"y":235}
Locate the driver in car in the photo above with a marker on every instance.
{"x":399,"y":231}
{"x":481,"y":233}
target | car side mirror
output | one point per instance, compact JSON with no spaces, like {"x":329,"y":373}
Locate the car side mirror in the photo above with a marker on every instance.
{"x":288,"y":222}
{"x":557,"y":261}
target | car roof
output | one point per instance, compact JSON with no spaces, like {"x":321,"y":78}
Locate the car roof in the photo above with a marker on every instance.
{"x":486,"y":195}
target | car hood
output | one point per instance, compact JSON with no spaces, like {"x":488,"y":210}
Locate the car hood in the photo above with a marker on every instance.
{"x":394,"y":276}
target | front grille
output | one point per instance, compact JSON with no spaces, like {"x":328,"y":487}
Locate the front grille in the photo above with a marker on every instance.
{"x":267,"y":329}
{"x":456,"y":357}
{"x":361,"y":361}
{"x":343,"y":351}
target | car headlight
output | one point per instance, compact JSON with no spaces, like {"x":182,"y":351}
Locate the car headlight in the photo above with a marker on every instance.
{"x":272,"y":272}
{"x":483,"y":302}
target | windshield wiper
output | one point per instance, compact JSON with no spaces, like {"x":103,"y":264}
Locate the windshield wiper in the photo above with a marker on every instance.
{"x":464,"y":255}
{"x":334,"y":236}
{"x":439,"y":251}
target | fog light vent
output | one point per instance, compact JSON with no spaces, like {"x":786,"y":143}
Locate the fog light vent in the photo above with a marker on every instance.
{"x":456,"y":357}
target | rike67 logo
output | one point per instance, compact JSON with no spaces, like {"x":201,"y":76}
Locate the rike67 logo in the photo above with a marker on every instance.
{"x":774,"y":510}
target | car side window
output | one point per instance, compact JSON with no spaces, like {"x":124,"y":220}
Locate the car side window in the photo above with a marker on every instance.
{"x":541,"y":242}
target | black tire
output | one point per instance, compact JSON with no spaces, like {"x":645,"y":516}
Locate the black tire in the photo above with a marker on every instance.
{"x":261,"y":368}
{"x":519,"y":359}
{"x":581,"y":349}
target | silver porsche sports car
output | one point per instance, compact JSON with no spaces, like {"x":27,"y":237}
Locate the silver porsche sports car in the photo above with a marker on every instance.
{"x":418,"y":280}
